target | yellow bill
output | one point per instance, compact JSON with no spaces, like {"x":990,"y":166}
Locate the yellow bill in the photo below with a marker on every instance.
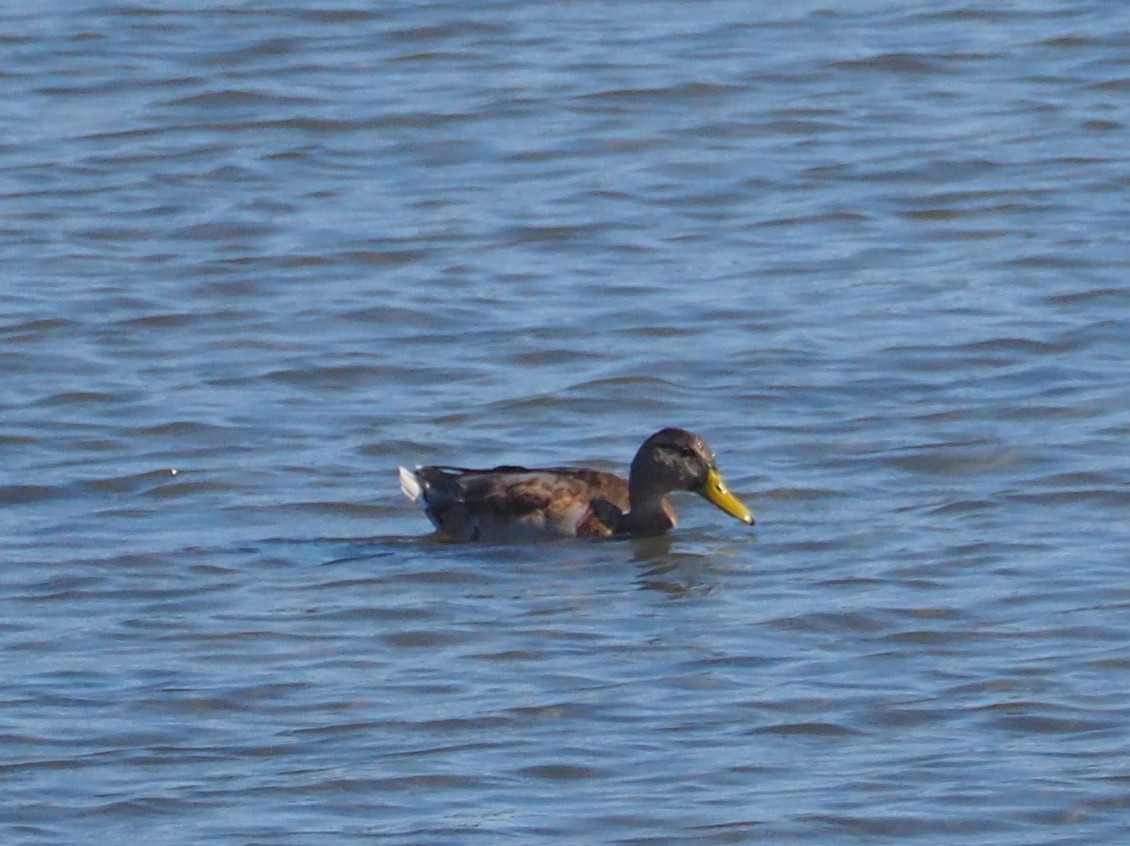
{"x":715,"y":490}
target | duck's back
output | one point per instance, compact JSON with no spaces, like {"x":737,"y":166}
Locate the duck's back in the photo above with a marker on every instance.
{"x":510,"y":502}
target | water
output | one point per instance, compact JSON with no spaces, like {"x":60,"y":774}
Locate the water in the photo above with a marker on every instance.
{"x":256,"y":256}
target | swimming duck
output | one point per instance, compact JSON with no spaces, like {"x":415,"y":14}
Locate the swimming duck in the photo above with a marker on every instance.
{"x":515,"y":503}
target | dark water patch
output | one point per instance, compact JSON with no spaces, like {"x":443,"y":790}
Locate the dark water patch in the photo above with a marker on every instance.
{"x":140,"y":808}
{"x":1116,"y":498}
{"x":131,"y":483}
{"x":671,"y":330}
{"x":341,"y":15}
{"x":414,"y":322}
{"x":341,"y":509}
{"x":1020,"y":723}
{"x":854,"y":622}
{"x":552,"y":357}
{"x":454,"y":29}
{"x":26,"y":494}
{"x":175,"y":321}
{"x":962,"y":507}
{"x":66,"y":398}
{"x":808,"y":729}
{"x":8,"y":439}
{"x":908,"y":64}
{"x":35,"y":329}
{"x":561,"y":772}
{"x":926,"y":637}
{"x":424,"y":575}
{"x":1100,"y":125}
{"x":223,"y":231}
{"x":424,"y":639}
{"x":326,"y":377}
{"x":187,"y":488}
{"x":180,"y":429}
{"x":385,"y":257}
{"x":1114,"y":297}
{"x":957,"y":459}
{"x":1043,"y":260}
{"x":234,"y":98}
{"x":554,"y":234}
{"x":684,"y":91}
{"x":584,"y":397}
{"x":895,"y":717}
{"x":903,"y":825}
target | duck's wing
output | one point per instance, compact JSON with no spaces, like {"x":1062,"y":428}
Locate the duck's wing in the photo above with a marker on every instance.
{"x":511,"y":502}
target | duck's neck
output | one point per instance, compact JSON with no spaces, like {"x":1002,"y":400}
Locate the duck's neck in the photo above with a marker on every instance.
{"x":649,"y":513}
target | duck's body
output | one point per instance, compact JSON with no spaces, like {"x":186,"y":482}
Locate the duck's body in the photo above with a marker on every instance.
{"x":520,"y":503}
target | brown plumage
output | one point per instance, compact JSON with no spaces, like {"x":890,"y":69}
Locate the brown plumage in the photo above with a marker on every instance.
{"x":509,"y":502}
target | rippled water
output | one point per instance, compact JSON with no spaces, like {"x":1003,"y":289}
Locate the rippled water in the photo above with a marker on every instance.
{"x":254,"y":257}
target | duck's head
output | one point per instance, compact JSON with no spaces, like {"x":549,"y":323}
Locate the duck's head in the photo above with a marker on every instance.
{"x":678,"y":460}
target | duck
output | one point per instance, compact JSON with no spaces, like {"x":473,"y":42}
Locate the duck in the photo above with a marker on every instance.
{"x":510,"y":502}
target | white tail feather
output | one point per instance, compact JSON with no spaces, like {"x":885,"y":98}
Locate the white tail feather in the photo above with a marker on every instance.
{"x":410,"y":484}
